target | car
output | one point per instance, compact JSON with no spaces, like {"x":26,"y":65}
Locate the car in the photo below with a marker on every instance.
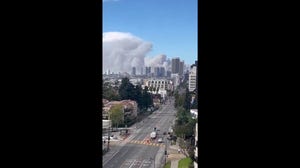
{"x":159,"y":140}
{"x":165,"y":133}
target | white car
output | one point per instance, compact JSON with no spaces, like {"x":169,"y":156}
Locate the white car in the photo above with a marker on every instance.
{"x":104,"y":138}
{"x":159,"y":140}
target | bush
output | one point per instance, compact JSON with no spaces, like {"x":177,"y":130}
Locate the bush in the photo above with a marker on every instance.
{"x":185,"y":163}
{"x":168,"y":165}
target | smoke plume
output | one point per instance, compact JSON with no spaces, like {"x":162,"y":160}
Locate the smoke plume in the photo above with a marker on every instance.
{"x":122,"y":51}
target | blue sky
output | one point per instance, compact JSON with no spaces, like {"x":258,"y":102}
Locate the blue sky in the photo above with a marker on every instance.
{"x":170,"y":25}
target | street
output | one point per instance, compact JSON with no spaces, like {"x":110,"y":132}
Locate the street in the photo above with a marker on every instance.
{"x":138,"y":150}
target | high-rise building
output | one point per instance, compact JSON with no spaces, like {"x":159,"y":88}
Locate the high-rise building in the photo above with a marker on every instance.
{"x":108,"y":72}
{"x":175,"y":65}
{"x":162,"y":72}
{"x":147,"y":71}
{"x":181,"y":66}
{"x":169,"y":74}
{"x":193,"y":78}
{"x":133,"y":71}
{"x":141,"y":70}
{"x":156,"y":72}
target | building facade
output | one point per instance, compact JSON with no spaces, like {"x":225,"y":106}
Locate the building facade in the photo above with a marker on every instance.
{"x":129,"y":109}
{"x":193,"y":78}
{"x":133,"y":71}
{"x":175,"y":65}
{"x":181,"y":67}
{"x":162,"y":84}
{"x":147,"y":71}
{"x":162,"y":72}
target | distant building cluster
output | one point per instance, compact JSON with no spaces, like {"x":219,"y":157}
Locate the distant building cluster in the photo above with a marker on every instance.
{"x":177,"y":74}
{"x":155,"y":72}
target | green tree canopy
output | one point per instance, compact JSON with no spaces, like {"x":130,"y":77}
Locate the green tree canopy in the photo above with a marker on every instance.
{"x":109,"y":92}
{"x":126,"y":89}
{"x":187,"y":100}
{"x":116,"y":114}
{"x":138,"y":95}
{"x":147,"y":98}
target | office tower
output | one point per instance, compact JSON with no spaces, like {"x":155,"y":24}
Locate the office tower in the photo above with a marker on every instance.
{"x":148,"y":71}
{"x":162,"y":72}
{"x":169,"y":74}
{"x":133,"y":71}
{"x":156,"y":71}
{"x":181,"y":66}
{"x":175,"y":65}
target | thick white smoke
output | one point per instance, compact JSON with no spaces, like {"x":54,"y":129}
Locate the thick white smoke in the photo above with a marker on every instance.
{"x":155,"y":61}
{"x":122,"y":51}
{"x":158,"y":61}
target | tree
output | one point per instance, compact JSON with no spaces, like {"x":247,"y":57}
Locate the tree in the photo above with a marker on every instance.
{"x":116,"y":114}
{"x":147,"y":98}
{"x":109,"y":92}
{"x":126,"y":89}
{"x":138,"y":96}
{"x":187,"y":100}
{"x":185,"y":124}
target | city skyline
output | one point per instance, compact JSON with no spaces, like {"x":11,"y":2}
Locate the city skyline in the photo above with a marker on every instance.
{"x":148,"y":33}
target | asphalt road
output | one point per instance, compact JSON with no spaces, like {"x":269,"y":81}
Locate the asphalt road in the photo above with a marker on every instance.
{"x":136,"y":151}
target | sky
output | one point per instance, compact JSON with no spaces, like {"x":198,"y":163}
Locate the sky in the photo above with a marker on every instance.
{"x":150,"y":28}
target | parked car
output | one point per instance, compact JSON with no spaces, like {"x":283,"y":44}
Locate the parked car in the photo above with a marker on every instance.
{"x":165,"y":133}
{"x":159,"y":140}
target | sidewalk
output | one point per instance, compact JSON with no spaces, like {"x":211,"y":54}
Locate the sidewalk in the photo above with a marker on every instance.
{"x":174,"y":156}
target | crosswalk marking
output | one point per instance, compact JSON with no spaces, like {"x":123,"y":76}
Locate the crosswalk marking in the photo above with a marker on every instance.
{"x":146,"y":143}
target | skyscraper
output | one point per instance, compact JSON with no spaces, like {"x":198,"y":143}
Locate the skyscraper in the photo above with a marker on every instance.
{"x":133,"y":71}
{"x":156,"y":72}
{"x":147,"y":71}
{"x":169,"y":74}
{"x":175,"y":65}
{"x":181,"y":66}
{"x":162,"y":72}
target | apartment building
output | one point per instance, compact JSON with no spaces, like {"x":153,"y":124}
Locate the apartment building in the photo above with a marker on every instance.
{"x":129,"y":108}
{"x":193,"y":78}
